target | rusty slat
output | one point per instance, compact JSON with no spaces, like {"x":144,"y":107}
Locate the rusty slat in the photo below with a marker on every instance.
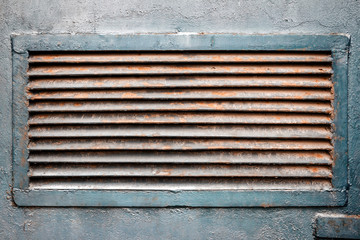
{"x":179,"y":118}
{"x":124,"y":57}
{"x":229,"y":156}
{"x":78,"y":70}
{"x":227,"y":131}
{"x":171,"y":183}
{"x":178,"y":170}
{"x":265,"y":93}
{"x":179,"y":82}
{"x":185,"y":105}
{"x":176,"y":144}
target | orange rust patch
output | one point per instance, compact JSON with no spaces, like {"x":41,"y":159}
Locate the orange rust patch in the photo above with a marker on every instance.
{"x":99,"y":84}
{"x":217,"y":58}
{"x":165,"y":172}
{"x":167,"y":147}
{"x":81,"y":95}
{"x":314,"y":169}
{"x":49,"y":58}
{"x":318,"y":155}
{"x":224,"y":94}
{"x":264,"y":205}
{"x":130,"y":95}
{"x":82,"y":69}
{"x":23,"y":161}
{"x":212,"y":105}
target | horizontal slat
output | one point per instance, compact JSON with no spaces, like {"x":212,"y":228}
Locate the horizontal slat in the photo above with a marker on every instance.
{"x":175,"y":144}
{"x":178,"y":170}
{"x":229,"y":156}
{"x":185,"y":105}
{"x":179,"y":118}
{"x":154,"y":57}
{"x":181,"y":183}
{"x":70,"y":70}
{"x":182,"y":81}
{"x":228,"y":131}
{"x":273,"y":94}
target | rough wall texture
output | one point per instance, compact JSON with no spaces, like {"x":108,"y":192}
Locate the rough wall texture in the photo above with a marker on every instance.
{"x":219,"y":16}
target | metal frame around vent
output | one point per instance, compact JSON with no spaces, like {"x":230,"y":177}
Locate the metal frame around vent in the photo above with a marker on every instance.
{"x":337,"y":196}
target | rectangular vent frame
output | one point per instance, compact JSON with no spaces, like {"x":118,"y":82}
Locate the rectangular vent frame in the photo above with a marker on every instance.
{"x":336,"y":195}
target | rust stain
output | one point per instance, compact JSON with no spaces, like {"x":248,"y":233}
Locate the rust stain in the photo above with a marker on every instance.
{"x":47,"y":58}
{"x":165,"y":172}
{"x":130,"y":95}
{"x":50,"y":70}
{"x":212,"y":105}
{"x":318,"y":155}
{"x":265,"y":205}
{"x":223,"y":93}
{"x":99,"y":84}
{"x":79,"y":95}
{"x":314,"y":169}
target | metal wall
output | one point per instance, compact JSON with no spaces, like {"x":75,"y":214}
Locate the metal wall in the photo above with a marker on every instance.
{"x":165,"y":16}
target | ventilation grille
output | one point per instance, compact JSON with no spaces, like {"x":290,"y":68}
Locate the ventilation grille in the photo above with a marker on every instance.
{"x":180,"y":120}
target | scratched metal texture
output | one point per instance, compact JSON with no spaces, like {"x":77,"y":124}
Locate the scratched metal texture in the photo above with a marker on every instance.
{"x":192,"y":138}
{"x":128,"y":17}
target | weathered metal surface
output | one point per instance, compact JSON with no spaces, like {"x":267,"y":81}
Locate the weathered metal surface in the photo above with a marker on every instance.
{"x":154,"y":57}
{"x":207,"y":131}
{"x":172,"y":81}
{"x":80,"y":70}
{"x":208,"y":94}
{"x":184,"y":105}
{"x":177,"y":170}
{"x":179,"y":118}
{"x":231,"y":156}
{"x":277,"y":113}
{"x":338,"y":226}
{"x":245,"y":117}
{"x":246,"y":17}
{"x":157,"y":143}
{"x":181,"y":183}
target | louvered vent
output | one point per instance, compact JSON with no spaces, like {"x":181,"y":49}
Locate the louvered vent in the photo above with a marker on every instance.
{"x":180,"y":120}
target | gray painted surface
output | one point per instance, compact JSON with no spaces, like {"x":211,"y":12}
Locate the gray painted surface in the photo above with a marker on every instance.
{"x":220,"y":16}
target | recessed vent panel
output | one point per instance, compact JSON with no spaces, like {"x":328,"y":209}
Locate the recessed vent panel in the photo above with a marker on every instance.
{"x":192,"y":120}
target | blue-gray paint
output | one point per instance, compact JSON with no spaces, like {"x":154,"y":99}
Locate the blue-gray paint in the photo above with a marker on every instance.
{"x":165,"y":16}
{"x":338,"y":226}
{"x":337,"y":44}
{"x":247,"y":198}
